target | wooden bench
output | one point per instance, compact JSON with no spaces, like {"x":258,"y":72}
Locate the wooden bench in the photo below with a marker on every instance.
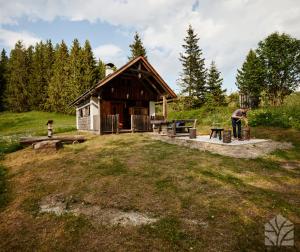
{"x":181,"y":130}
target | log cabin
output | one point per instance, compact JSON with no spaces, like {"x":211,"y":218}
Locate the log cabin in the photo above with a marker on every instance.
{"x":124,"y":101}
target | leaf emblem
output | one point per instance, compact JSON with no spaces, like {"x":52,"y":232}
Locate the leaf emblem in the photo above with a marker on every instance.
{"x":279,"y":232}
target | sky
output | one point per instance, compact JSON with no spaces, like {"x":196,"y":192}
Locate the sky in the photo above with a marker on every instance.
{"x":227,"y":29}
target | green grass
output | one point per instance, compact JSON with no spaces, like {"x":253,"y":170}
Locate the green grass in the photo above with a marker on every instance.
{"x":131,"y":172}
{"x":15,"y":125}
{"x":34,"y":123}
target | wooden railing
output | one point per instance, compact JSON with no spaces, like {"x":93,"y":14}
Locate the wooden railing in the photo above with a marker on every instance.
{"x":110,"y":123}
{"x":140,"y":123}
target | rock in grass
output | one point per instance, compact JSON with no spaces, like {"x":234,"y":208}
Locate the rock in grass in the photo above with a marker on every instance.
{"x":49,"y":144}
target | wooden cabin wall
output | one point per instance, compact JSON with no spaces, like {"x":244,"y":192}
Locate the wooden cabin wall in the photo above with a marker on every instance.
{"x":120,"y":88}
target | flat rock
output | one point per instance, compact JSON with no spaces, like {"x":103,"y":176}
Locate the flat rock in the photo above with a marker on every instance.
{"x":49,"y":144}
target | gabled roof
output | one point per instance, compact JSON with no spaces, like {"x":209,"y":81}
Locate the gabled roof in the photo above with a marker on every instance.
{"x":110,"y":77}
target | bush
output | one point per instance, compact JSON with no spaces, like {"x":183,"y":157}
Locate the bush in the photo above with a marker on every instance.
{"x":285,"y":116}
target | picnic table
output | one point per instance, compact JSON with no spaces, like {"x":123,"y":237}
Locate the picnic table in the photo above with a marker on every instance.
{"x":180,"y":127}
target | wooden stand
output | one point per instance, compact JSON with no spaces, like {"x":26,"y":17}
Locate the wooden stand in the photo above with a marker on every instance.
{"x":193,"y":133}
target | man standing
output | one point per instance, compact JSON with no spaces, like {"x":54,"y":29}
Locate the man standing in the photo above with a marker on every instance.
{"x":236,"y":119}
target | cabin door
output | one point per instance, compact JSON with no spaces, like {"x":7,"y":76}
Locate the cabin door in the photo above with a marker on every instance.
{"x":118,"y":108}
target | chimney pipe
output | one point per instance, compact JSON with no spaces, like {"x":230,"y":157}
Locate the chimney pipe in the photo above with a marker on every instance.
{"x":109,"y":68}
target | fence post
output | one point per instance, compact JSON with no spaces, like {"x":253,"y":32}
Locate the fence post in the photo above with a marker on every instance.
{"x":117,"y":123}
{"x":99,"y":112}
{"x":132,"y":123}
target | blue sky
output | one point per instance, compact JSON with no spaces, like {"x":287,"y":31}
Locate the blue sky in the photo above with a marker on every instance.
{"x":227,"y":28}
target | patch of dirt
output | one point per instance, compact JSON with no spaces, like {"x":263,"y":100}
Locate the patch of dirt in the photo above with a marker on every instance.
{"x":60,"y":205}
{"x":247,"y":151}
{"x":290,"y":165}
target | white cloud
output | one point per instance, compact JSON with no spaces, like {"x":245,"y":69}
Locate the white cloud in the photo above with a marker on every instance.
{"x":9,"y":38}
{"x":227,"y":28}
{"x":109,"y":53}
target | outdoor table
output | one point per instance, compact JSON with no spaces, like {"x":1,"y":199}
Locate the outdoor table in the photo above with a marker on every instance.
{"x":218,"y":131}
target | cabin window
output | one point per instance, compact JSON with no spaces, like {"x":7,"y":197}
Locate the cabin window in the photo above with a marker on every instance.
{"x":84,"y":111}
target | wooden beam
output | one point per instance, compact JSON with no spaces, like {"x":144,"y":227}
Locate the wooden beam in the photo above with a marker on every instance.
{"x":99,"y":112}
{"x":165,"y":109}
{"x":151,"y":83}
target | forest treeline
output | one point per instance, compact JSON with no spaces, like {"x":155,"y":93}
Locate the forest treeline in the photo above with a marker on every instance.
{"x":46,"y":77}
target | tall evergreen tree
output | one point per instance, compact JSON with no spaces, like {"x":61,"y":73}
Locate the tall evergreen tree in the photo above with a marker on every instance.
{"x":137,"y":48}
{"x":48,"y":61}
{"x":89,"y":73}
{"x":214,"y":86}
{"x":58,"y":99}
{"x":193,"y":76}
{"x":250,"y":78}
{"x":17,"y":92}
{"x":76,"y":70}
{"x":41,"y":71}
{"x":100,"y":70}
{"x":3,"y":77}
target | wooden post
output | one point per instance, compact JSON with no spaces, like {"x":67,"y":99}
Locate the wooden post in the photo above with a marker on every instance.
{"x":165,"y":112}
{"x":174,"y":128}
{"x":99,"y":112}
{"x":117,"y":123}
{"x":132,"y":124}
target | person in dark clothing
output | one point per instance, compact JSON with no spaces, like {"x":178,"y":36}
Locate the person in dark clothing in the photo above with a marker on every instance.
{"x":236,"y":119}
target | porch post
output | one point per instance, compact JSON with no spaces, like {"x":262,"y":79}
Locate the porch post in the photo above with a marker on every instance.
{"x":165,"y":110}
{"x":99,"y":112}
{"x":132,"y":123}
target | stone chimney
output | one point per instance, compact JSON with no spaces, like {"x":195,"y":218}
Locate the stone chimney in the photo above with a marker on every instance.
{"x":109,"y":68}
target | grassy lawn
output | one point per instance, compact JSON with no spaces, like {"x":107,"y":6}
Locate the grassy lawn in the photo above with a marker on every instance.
{"x":15,"y":125}
{"x":202,"y":201}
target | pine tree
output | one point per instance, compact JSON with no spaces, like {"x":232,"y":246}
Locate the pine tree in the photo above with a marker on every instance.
{"x":3,"y":77}
{"x":100,"y":70}
{"x":17,"y":92}
{"x":250,"y":78}
{"x":76,"y":70}
{"x":193,"y":76}
{"x":137,"y":48}
{"x":215,"y":93}
{"x":58,"y":99}
{"x":48,"y":61}
{"x":41,"y":67}
{"x":89,"y":73}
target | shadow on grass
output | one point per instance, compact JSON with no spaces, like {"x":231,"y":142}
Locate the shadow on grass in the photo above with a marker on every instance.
{"x":262,"y":197}
{"x":4,"y":195}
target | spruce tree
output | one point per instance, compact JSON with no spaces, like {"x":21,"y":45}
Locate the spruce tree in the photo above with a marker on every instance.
{"x":215,"y":93}
{"x":100,"y":70}
{"x":3,"y":77}
{"x":250,"y":78}
{"x":48,"y":61}
{"x":17,"y":91}
{"x":137,"y":48}
{"x":76,"y":70}
{"x":41,"y":67}
{"x":193,"y":76}
{"x":89,"y":71}
{"x":58,"y":99}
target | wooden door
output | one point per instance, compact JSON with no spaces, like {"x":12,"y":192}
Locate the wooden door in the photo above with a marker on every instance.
{"x":118,"y":108}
